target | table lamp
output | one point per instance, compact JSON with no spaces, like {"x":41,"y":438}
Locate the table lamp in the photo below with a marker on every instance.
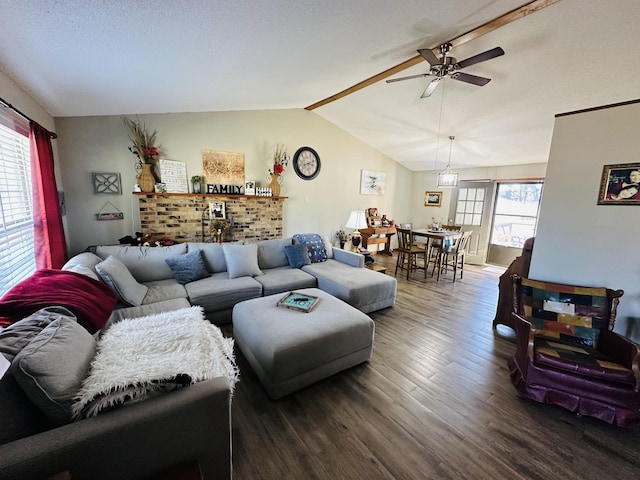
{"x":356,"y":220}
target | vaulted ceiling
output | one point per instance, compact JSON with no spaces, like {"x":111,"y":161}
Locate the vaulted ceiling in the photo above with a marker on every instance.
{"x":134,"y":57}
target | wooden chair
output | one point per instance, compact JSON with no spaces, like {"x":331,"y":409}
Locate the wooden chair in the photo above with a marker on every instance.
{"x":436,"y":243}
{"x":451,"y":255}
{"x":408,"y":253}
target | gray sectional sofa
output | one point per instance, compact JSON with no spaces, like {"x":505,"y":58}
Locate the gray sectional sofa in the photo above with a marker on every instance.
{"x":258,"y":269}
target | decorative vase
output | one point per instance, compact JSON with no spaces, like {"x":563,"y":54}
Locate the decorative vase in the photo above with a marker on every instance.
{"x":146,"y":180}
{"x":274,"y":184}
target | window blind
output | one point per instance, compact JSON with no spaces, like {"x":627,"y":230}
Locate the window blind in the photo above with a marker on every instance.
{"x":17,"y":256}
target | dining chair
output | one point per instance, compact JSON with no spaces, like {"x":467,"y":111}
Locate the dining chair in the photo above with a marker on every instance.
{"x":408,"y":253}
{"x":451,"y":255}
{"x":436,"y":243}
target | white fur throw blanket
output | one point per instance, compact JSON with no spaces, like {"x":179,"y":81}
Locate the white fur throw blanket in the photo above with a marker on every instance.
{"x":138,"y":358}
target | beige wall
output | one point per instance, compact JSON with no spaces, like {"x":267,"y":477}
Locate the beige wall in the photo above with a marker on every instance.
{"x":321,"y":205}
{"x":578,"y":241}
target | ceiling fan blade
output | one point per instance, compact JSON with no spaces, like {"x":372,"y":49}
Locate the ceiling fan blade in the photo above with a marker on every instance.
{"x":431,"y":87}
{"x":474,"y":79}
{"x":429,"y":56}
{"x":420,"y":75}
{"x":481,"y":57}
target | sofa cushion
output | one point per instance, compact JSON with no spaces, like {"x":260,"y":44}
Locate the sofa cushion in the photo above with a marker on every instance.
{"x":271,"y":253}
{"x":146,"y":264}
{"x":84,"y":270}
{"x":144,"y":310}
{"x":50,"y":369}
{"x":219,"y":292}
{"x":86,"y":259}
{"x":284,"y":279}
{"x":117,"y":276}
{"x":18,"y":335}
{"x":297,"y":255}
{"x":89,"y":300}
{"x":162,"y":290}
{"x":212,"y":255}
{"x":242,"y":260}
{"x":315,"y":246}
{"x":187,"y":267}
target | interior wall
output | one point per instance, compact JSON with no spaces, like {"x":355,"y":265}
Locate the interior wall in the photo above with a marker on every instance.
{"x":421,"y":216}
{"x":322,"y":205}
{"x":580,"y":242}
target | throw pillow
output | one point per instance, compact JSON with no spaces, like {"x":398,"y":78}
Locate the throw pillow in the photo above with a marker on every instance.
{"x":315,"y":246}
{"x":188,"y":267}
{"x":50,"y":369}
{"x":242,"y":260}
{"x":119,"y":278}
{"x":18,"y":335}
{"x":297,"y":255}
{"x":91,"y":301}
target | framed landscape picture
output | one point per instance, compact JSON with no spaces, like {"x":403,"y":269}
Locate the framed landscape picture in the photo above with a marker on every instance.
{"x":620,"y":184}
{"x":432,"y":199}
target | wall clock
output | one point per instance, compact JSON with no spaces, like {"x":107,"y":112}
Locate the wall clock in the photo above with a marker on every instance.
{"x":306,"y":163}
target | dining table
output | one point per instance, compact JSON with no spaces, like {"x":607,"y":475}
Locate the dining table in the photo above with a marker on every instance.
{"x":441,"y":234}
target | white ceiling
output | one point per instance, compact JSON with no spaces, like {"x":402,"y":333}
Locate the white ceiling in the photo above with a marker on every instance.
{"x":114,"y":57}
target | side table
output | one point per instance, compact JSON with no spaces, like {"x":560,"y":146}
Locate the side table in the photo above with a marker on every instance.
{"x":377,"y":268}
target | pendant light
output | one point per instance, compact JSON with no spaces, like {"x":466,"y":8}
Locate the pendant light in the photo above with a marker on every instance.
{"x":447,"y":178}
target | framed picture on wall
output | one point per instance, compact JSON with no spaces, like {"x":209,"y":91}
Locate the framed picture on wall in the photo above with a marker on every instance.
{"x":432,"y":199}
{"x":620,"y":184}
{"x":217,"y":210}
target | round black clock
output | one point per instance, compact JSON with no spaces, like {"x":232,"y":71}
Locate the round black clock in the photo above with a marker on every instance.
{"x":306,"y":163}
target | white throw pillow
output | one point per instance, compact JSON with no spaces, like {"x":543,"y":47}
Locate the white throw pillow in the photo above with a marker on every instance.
{"x":119,"y":278}
{"x":241,"y":260}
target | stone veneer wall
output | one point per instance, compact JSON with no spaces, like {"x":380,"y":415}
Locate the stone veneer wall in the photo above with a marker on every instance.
{"x":185,"y":217}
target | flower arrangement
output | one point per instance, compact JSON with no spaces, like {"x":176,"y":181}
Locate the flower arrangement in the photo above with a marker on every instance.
{"x":143,"y":142}
{"x":341,"y":235}
{"x":280,"y":160}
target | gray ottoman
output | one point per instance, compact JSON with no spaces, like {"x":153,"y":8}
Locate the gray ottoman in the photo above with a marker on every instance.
{"x":289,"y":349}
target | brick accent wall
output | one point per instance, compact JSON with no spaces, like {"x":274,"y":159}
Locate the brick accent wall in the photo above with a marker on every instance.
{"x":185,"y":217}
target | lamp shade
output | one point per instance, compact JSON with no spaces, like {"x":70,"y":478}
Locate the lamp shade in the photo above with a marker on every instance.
{"x":356,"y":220}
{"x":447,"y":179}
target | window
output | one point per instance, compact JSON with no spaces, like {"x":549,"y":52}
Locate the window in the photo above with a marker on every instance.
{"x":17,"y":255}
{"x":470,"y":205}
{"x":516,"y":213}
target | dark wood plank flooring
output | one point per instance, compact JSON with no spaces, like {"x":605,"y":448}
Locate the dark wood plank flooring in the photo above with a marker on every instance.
{"x":434,"y":402}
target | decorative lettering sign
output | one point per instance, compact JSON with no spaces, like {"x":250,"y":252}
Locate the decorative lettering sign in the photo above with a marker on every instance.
{"x":224,"y":189}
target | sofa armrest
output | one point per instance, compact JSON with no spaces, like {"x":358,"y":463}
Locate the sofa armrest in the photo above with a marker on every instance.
{"x":621,"y":350}
{"x":348,"y":258}
{"x":136,"y":441}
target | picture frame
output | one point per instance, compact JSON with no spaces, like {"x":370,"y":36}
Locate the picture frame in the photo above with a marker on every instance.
{"x":620,"y":184}
{"x":432,"y":199}
{"x":298,"y":301}
{"x":217,"y":210}
{"x":250,"y":187}
{"x":106,"y":183}
{"x":372,"y":182}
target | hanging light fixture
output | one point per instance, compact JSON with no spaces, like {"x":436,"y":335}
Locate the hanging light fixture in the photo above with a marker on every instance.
{"x":447,"y":178}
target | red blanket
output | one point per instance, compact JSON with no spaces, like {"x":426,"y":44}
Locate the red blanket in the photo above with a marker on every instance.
{"x":90,"y":300}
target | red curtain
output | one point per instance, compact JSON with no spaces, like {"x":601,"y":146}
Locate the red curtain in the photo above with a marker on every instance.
{"x":50,"y":245}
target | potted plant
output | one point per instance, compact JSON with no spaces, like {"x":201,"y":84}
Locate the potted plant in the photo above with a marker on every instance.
{"x":196,"y":181}
{"x":146,"y":151}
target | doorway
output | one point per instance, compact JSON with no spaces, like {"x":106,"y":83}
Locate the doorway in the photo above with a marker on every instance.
{"x":471,"y":208}
{"x":515,"y":218}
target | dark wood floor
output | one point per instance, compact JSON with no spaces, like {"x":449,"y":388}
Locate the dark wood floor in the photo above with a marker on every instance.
{"x":434,"y":402}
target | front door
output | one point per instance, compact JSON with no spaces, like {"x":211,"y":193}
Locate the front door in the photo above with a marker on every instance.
{"x":471,"y":209}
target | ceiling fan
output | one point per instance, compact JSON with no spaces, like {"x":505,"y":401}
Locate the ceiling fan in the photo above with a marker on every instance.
{"x":443,"y":66}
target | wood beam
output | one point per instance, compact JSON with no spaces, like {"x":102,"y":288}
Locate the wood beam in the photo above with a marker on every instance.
{"x":501,"y":21}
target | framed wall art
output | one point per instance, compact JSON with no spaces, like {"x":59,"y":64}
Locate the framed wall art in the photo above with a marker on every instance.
{"x":106,"y":183}
{"x":372,"y":182}
{"x":620,"y":184}
{"x":217,"y":210}
{"x":432,"y":199}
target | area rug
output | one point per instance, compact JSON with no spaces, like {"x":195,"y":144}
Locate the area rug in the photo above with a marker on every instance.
{"x":139,"y":358}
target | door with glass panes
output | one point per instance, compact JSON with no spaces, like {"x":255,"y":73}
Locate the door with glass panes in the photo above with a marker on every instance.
{"x":471,"y":209}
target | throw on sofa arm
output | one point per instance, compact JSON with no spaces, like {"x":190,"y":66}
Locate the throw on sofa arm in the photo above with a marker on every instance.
{"x":137,"y":441}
